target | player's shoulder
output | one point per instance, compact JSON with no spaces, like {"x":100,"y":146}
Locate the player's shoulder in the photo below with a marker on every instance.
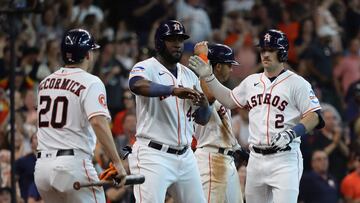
{"x":144,"y":64}
{"x":295,"y":78}
{"x":253,"y":77}
{"x":187,"y":71}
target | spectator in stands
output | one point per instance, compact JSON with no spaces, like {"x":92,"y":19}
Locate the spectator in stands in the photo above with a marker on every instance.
{"x":50,"y":59}
{"x":109,"y":70}
{"x":354,"y":146}
{"x":352,"y":21}
{"x":145,"y":13}
{"x":350,"y":186}
{"x":305,"y":37}
{"x":127,"y":138}
{"x":24,"y":169}
{"x":291,"y":28}
{"x":318,"y":64}
{"x":347,"y":71}
{"x":129,"y":104}
{"x":5,"y":195}
{"x":194,"y":18}
{"x":318,"y":185}
{"x":353,"y":105}
{"x":326,"y":22}
{"x":332,"y":140}
{"x":84,"y":8}
{"x":47,"y":26}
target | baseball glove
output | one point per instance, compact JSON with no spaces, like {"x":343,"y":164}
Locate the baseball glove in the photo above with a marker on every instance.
{"x":109,"y":173}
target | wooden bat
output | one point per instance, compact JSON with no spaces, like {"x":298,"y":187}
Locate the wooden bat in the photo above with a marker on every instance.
{"x":129,"y":180}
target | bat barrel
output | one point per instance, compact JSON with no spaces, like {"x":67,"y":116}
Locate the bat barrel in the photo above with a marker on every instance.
{"x":129,"y":180}
{"x":134,"y":179}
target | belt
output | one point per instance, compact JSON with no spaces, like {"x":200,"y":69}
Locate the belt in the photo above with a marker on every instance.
{"x":223,"y":151}
{"x":61,"y":152}
{"x":269,"y":150}
{"x":169,"y":150}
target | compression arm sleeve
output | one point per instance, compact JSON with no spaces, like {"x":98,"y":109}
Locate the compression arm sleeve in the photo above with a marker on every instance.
{"x":202,"y":115}
{"x":221,"y":93}
{"x":149,"y":88}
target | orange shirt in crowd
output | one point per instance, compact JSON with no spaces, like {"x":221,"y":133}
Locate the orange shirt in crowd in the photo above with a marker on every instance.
{"x":350,"y":186}
{"x":231,"y":39}
{"x":117,"y":127}
{"x":292,"y":31}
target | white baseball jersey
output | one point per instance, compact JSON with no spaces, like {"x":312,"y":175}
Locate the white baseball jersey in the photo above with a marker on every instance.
{"x":167,"y":120}
{"x":67,"y":99}
{"x":218,"y":173}
{"x":274,"y":106}
{"x":218,"y":131}
{"x":155,"y":113}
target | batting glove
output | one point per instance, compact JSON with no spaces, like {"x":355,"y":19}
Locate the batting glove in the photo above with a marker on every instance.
{"x":200,"y":67}
{"x":283,"y":139}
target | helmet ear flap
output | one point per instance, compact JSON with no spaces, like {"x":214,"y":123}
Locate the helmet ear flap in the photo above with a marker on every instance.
{"x":282,"y":55}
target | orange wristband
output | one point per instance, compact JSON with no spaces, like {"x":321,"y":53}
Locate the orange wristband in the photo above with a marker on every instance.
{"x":204,"y":57}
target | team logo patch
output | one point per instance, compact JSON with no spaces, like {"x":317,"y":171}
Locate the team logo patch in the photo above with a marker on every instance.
{"x":267,"y":37}
{"x":102,"y":100}
{"x":137,"y":69}
{"x":313,"y":98}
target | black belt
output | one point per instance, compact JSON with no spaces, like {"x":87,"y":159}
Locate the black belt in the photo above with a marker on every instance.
{"x":269,"y":150}
{"x":170,"y":150}
{"x":61,"y":152}
{"x":222,"y":151}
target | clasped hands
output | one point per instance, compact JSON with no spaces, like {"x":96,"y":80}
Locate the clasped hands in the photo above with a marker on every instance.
{"x":198,"y":98}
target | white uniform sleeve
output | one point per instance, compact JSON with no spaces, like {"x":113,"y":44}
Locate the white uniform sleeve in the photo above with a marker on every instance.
{"x":95,"y":101}
{"x":305,"y":98}
{"x":238,"y":94}
{"x":140,"y":70}
{"x":221,"y":93}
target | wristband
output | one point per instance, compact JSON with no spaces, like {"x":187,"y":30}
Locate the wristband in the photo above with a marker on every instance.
{"x":204,"y":57}
{"x":299,"y":129}
{"x":209,"y":78}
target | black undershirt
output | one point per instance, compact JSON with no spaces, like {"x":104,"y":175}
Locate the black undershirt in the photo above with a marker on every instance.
{"x":273,"y":78}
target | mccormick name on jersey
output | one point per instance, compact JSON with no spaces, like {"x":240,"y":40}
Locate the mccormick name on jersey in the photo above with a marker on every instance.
{"x":259,"y":99}
{"x":62,"y":84}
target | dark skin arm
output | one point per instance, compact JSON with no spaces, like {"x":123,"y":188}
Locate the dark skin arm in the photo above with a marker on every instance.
{"x":142,"y":87}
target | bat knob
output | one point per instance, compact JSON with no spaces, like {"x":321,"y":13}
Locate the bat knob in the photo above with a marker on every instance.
{"x":76,"y":185}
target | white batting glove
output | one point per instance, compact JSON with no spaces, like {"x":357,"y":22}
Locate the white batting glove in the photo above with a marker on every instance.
{"x":200,"y":67}
{"x":283,"y":139}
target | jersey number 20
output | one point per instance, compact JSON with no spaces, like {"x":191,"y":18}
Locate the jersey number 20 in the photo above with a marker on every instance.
{"x":54,"y":123}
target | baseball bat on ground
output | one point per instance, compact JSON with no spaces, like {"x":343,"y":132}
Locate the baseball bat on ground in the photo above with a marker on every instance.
{"x":129,"y":180}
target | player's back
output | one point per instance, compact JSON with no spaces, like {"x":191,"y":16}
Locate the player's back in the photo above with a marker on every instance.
{"x":62,"y":110}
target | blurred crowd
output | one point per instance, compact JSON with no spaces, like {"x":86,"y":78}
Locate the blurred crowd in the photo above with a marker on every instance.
{"x":324,"y":39}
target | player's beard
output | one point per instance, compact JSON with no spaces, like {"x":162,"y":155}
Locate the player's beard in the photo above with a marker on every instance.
{"x":171,"y":58}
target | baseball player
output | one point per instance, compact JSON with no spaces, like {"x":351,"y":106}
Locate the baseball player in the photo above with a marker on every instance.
{"x":282,"y":108}
{"x":167,"y":103}
{"x":71,"y":111}
{"x":216,"y":142}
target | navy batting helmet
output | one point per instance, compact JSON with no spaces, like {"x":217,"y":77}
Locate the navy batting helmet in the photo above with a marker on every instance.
{"x":75,"y":44}
{"x":219,"y":53}
{"x":168,"y":28}
{"x":276,"y":39}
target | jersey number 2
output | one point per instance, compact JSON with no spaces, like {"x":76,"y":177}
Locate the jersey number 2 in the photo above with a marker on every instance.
{"x":279,"y":123}
{"x":54,"y":123}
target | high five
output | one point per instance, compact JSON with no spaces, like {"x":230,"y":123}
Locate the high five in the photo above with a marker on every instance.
{"x":282,"y":108}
